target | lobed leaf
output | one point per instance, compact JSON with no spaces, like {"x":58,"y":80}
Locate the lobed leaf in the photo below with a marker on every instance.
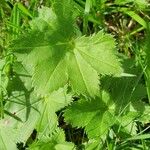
{"x":55,"y":57}
{"x":94,"y":115}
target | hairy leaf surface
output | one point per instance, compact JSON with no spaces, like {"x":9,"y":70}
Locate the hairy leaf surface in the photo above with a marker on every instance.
{"x":94,"y":115}
{"x":54,"y":142}
{"x":48,"y":120}
{"x":54,"y":55}
{"x":7,"y":137}
{"x":24,"y":111}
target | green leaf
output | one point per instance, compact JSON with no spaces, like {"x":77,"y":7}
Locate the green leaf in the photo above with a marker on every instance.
{"x":25,"y":112}
{"x":50,"y":79}
{"x":93,"y":144}
{"x":130,"y":94}
{"x":22,"y":114}
{"x":65,"y":146}
{"x":59,"y":99}
{"x":127,"y":103}
{"x":94,"y":115}
{"x":127,"y":123}
{"x":54,"y":142}
{"x":140,"y":3}
{"x":48,"y":119}
{"x":47,"y":122}
{"x":24,"y":76}
{"x":22,"y":108}
{"x":120,"y":108}
{"x":145,"y":117}
{"x":78,"y":61}
{"x":98,"y":51}
{"x":7,"y":136}
{"x":83,"y":78}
